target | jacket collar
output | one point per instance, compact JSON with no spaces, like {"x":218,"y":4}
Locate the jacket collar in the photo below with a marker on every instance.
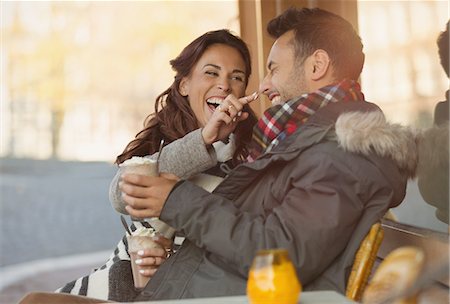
{"x":320,"y":126}
{"x":359,"y":128}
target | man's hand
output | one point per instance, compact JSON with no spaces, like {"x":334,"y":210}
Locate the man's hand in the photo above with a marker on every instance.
{"x":145,"y":195}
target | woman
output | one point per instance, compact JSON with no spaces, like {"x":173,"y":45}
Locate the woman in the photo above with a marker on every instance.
{"x":203,"y":125}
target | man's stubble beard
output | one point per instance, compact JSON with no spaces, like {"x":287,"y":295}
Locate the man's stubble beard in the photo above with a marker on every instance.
{"x":298,"y":85}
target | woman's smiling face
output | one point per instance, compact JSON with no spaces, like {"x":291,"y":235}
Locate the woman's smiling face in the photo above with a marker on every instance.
{"x":220,"y":71}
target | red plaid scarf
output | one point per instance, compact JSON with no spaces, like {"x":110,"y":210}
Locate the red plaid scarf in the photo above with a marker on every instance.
{"x":280,"y":121}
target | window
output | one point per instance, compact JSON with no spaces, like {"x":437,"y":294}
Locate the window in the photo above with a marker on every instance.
{"x":403,"y":75}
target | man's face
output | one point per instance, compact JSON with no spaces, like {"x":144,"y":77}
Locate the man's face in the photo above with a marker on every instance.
{"x":285,"y":77}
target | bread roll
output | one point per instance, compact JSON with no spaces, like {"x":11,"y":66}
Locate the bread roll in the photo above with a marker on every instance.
{"x":395,"y":275}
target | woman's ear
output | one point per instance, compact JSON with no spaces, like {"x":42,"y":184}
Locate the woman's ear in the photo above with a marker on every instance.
{"x":320,"y":64}
{"x":183,"y":87}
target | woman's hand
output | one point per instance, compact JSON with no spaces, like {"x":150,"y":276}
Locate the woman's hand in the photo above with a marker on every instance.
{"x":150,"y":259}
{"x":225,"y":118}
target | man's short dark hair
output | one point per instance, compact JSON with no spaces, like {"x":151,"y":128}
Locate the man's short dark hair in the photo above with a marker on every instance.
{"x":442,"y":43}
{"x":319,"y":29}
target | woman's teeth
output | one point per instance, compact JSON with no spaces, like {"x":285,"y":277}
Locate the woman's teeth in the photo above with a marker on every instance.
{"x":214,"y":102}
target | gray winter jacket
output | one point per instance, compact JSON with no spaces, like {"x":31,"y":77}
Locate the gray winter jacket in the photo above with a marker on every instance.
{"x":316,"y":194}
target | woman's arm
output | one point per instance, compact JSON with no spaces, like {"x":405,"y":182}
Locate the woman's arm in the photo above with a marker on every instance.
{"x":194,"y":153}
{"x":183,"y":157}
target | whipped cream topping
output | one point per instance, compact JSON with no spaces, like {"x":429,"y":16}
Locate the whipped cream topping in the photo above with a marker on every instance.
{"x":137,"y":161}
{"x":142,"y":231}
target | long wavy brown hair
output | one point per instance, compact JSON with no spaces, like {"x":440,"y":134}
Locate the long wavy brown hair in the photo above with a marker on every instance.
{"x":173,"y":117}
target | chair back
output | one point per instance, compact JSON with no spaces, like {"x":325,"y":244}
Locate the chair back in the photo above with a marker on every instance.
{"x":363,"y":263}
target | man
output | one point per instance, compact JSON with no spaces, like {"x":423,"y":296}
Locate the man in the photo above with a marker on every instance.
{"x":324,"y":167}
{"x":315,"y":186}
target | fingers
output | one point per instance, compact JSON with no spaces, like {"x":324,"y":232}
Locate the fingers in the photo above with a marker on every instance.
{"x":151,"y":256}
{"x":246,"y":100}
{"x":153,"y":192}
{"x":254,"y":96}
{"x":149,"y":260}
{"x":224,"y":115}
{"x":142,"y":213}
{"x":244,"y":116}
{"x":170,"y":176}
{"x":140,"y":201}
{"x":136,"y":179}
{"x":148,"y":271}
{"x":148,"y":201}
{"x":136,"y":202}
{"x":164,"y":242}
{"x":133,"y":190}
{"x":231,"y":108}
{"x":225,"y":118}
{"x":249,"y":98}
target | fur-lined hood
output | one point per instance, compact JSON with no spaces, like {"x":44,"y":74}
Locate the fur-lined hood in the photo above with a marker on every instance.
{"x":369,"y":132}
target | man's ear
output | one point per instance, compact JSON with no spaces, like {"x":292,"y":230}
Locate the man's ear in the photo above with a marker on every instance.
{"x":183,"y":87}
{"x":320,"y":64}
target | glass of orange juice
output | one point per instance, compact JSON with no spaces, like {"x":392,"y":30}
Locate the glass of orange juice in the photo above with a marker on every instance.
{"x":273,"y":279}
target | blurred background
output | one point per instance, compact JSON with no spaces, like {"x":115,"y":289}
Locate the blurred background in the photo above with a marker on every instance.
{"x":78,"y":79}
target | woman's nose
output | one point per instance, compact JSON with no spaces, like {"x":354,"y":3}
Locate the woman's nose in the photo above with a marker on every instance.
{"x":224,"y":85}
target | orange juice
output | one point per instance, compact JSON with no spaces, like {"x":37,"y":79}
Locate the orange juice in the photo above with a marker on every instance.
{"x":272,"y":279}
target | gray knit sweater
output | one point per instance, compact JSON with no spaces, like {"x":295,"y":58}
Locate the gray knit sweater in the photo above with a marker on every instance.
{"x":184,"y":157}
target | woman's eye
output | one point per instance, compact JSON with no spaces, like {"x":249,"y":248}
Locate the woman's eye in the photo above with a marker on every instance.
{"x":238,"y":78}
{"x":212,"y":73}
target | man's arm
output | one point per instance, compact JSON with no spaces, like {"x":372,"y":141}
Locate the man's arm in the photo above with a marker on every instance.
{"x":314,"y":221}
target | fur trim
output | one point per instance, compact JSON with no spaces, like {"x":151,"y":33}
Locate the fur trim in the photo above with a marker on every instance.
{"x":369,"y":132}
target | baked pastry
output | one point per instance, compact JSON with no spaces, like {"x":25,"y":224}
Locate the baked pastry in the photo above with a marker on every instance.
{"x":394,"y":276}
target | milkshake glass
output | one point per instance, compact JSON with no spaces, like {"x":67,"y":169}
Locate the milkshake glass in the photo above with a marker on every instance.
{"x":140,"y":239}
{"x":148,"y":167}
